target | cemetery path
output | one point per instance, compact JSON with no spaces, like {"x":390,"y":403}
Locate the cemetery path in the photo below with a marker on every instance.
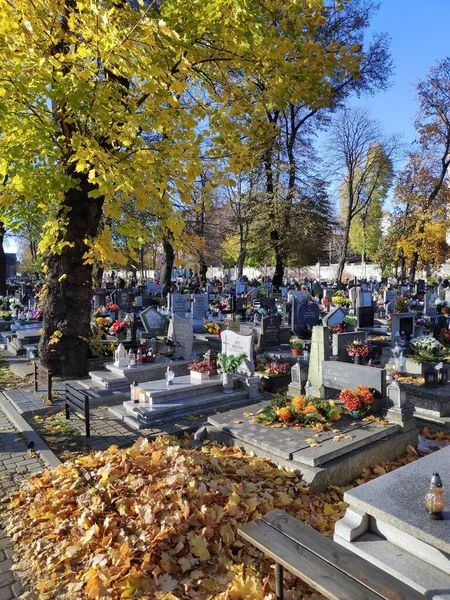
{"x":15,"y":463}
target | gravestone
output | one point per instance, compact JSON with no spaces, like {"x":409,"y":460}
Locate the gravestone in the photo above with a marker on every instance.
{"x":199,"y":306}
{"x":334,"y":317}
{"x":153,"y":288}
{"x":124,"y":298}
{"x":430,"y":304}
{"x":390,"y":307}
{"x":389,"y":296}
{"x":180,"y":331}
{"x":352,"y":294}
{"x":320,"y":352}
{"x":365,"y":316}
{"x":341,"y":342}
{"x":268,"y":304}
{"x":302,"y":297}
{"x":234,"y":344}
{"x":341,"y":376}
{"x":180,"y":304}
{"x":447,"y":295}
{"x":270,"y":331}
{"x":154,"y":322}
{"x":402,"y":322}
{"x":328,"y":293}
{"x":304,"y":316}
{"x":364,"y":298}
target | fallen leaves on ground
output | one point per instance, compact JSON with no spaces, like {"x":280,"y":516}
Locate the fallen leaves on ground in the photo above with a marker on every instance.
{"x":159,"y":520}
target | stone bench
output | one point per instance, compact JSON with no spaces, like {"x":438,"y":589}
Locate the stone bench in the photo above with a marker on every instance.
{"x":333,"y":571}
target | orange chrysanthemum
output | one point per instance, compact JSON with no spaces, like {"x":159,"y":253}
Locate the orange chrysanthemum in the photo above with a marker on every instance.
{"x":298,"y":402}
{"x":284,"y":414}
{"x":309,"y":409}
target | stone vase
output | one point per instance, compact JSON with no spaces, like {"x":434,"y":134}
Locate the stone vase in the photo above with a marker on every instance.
{"x":227,"y":382}
{"x":357,"y":360}
{"x":121,"y":336}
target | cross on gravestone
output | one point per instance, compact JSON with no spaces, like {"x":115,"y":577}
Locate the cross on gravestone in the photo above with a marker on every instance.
{"x":234,"y":344}
{"x":154,"y":322}
{"x":180,"y":331}
{"x":334,"y":317}
{"x":304,"y":316}
{"x":270,"y":331}
{"x":320,"y":352}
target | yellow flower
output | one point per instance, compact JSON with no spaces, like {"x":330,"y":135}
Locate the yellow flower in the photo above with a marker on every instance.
{"x":284,"y":414}
{"x":298,"y":402}
{"x":331,"y":403}
{"x":336,"y":414}
{"x":309,"y":409}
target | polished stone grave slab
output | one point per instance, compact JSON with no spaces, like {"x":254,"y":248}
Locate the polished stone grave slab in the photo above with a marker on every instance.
{"x":334,"y":456}
{"x":387,"y":524}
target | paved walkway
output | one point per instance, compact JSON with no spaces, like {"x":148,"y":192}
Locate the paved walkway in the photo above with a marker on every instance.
{"x":15,"y":463}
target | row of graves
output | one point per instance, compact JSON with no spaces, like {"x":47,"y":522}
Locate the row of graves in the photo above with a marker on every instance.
{"x":318,"y":429}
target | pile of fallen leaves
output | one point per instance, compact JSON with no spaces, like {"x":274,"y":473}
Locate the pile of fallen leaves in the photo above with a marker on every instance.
{"x":159,"y":521}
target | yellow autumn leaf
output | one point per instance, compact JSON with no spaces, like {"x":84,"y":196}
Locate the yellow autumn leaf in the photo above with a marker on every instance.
{"x":199,"y":546}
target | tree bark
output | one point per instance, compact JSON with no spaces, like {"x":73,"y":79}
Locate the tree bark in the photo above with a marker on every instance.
{"x":67,"y":303}
{"x":2,"y":261}
{"x":343,"y":255}
{"x":167,"y":267}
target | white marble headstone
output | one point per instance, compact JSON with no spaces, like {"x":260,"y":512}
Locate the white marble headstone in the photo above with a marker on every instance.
{"x":234,"y":344}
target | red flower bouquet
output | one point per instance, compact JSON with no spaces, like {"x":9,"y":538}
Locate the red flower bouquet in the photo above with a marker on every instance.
{"x":357,"y":348}
{"x":357,"y":401}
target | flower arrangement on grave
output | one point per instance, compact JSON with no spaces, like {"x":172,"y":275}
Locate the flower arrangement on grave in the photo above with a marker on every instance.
{"x":401,"y":304}
{"x":148,"y":355}
{"x":444,"y":337}
{"x":6,"y":315}
{"x":104,"y":323}
{"x":203,"y":366}
{"x":120,"y":327}
{"x":339,"y":328}
{"x":297,"y":343}
{"x":111,"y":307}
{"x":349,"y":321}
{"x":97,"y":346}
{"x":299,"y":411}
{"x":439,"y":302}
{"x":426,"y":349}
{"x":359,"y":349}
{"x":229,"y":364}
{"x":276,"y":368}
{"x":213,"y":327}
{"x":339,"y":299}
{"x":420,"y":322}
{"x":357,"y":402}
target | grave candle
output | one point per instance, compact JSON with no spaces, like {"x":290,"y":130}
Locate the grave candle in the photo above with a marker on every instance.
{"x":435,"y":499}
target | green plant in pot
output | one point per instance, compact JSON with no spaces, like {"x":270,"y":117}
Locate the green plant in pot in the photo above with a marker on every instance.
{"x":229,"y":365}
{"x":297,"y":345}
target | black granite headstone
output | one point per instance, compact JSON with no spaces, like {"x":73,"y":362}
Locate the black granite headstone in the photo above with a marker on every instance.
{"x":270,"y":331}
{"x":341,"y":376}
{"x":365,"y":316}
{"x":304,"y":316}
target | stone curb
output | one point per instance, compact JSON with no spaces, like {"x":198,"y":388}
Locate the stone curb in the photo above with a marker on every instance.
{"x":40,"y":447}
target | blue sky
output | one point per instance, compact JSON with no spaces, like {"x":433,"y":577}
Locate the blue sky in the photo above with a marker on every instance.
{"x":419,"y":31}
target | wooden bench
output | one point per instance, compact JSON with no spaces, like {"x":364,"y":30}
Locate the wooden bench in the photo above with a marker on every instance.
{"x":77,"y":401}
{"x":44,"y":377}
{"x":330,"y":569}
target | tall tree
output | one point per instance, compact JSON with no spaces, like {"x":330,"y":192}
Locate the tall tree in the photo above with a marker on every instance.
{"x":2,"y":260}
{"x":433,"y":126}
{"x":365,"y":161}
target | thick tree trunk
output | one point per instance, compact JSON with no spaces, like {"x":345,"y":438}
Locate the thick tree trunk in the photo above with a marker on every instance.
{"x":203,"y":267}
{"x":2,"y":261}
{"x":343,"y":256}
{"x":167,"y":267}
{"x":67,"y":304}
{"x":277,"y":279}
{"x":413,"y":266}
{"x":99,"y":277}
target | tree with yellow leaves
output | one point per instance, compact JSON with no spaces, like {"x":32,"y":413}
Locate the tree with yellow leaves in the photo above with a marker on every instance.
{"x":105,"y":101}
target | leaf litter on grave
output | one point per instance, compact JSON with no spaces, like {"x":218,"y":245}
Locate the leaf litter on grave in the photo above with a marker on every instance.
{"x":159,"y":520}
